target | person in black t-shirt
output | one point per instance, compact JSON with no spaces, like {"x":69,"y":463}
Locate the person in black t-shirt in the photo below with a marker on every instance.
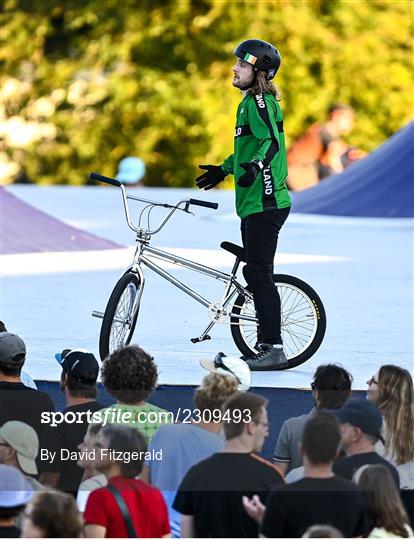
{"x":17,"y":401}
{"x":80,"y":371}
{"x":210,"y":495}
{"x":320,"y":497}
{"x":361,"y":423}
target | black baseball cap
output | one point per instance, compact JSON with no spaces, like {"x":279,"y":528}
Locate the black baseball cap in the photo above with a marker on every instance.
{"x":12,"y":349}
{"x":79,"y":364}
{"x":362,"y":414}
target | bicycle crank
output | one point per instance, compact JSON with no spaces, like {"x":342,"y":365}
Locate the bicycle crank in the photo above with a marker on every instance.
{"x":217,"y":313}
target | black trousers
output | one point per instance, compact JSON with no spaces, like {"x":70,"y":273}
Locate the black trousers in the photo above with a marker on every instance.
{"x":260,"y":234}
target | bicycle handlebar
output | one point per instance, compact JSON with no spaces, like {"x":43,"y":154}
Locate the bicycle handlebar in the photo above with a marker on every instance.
{"x":125,"y":197}
{"x":100,"y":178}
{"x":206,"y":204}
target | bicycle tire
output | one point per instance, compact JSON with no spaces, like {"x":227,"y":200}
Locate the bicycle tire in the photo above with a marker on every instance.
{"x":129,"y":284}
{"x":312,"y":321}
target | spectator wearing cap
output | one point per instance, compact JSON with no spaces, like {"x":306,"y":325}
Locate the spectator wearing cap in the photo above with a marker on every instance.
{"x":15,"y":493}
{"x":52,"y":514}
{"x":144,"y":513}
{"x":17,"y":401}
{"x":184,"y":445}
{"x":80,"y":371}
{"x":19,"y":447}
{"x":231,"y":366}
{"x":320,"y":497}
{"x":361,"y":424}
{"x":24,"y":376}
{"x":209,"y":497}
{"x":129,"y":375}
{"x":331,"y":388}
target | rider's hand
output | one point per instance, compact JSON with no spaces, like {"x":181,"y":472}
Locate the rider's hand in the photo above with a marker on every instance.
{"x":211,"y":178}
{"x":252,"y":170}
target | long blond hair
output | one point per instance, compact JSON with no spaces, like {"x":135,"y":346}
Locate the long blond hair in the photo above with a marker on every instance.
{"x":396,"y":402}
{"x":263,"y":86}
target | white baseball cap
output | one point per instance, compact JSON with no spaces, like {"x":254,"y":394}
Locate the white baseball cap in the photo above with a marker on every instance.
{"x":23,"y":438}
{"x":229,"y":365}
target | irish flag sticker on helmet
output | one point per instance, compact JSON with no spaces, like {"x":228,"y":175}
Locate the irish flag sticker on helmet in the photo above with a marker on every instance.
{"x":261,"y":55}
{"x":250,"y":58}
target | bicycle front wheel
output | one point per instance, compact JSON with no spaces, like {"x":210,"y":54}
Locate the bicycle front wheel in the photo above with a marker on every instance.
{"x":119,"y":321}
{"x":303,"y":321}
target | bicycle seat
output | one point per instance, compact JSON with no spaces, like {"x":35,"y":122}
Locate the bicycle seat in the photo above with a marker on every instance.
{"x":238,"y":251}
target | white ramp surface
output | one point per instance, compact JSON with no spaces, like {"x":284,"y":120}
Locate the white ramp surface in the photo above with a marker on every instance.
{"x":362,"y":268}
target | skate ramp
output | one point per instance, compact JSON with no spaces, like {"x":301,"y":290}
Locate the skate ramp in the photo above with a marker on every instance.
{"x":25,"y":229}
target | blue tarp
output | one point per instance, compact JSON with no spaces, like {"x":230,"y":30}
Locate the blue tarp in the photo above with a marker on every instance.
{"x":380,"y":185}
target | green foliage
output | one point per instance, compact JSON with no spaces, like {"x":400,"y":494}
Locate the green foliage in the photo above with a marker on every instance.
{"x":88,"y":82}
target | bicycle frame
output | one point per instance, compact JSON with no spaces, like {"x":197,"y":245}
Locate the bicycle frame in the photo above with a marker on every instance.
{"x":303,"y":315}
{"x":218,"y":310}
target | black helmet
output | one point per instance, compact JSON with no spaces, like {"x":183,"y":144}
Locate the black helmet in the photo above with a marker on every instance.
{"x":261,"y":55}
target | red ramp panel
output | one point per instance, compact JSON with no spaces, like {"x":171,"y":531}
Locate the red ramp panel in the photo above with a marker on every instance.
{"x":25,"y":229}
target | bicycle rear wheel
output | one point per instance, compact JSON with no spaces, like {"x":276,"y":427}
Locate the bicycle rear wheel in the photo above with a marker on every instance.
{"x":119,"y":321}
{"x":303,"y":321}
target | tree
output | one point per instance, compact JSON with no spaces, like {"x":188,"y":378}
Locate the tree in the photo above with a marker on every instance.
{"x":88,"y":82}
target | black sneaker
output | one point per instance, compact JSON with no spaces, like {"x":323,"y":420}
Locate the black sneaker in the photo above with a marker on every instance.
{"x":271,"y":357}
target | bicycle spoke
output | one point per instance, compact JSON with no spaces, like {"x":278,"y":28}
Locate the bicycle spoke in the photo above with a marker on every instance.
{"x":120,"y":330}
{"x":298,"y":321}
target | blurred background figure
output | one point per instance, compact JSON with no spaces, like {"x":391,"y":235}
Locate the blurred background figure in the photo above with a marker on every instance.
{"x":131,"y":171}
{"x":320,"y":151}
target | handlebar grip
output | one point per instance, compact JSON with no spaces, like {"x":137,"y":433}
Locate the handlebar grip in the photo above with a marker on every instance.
{"x":112,"y":181}
{"x":197,"y":202}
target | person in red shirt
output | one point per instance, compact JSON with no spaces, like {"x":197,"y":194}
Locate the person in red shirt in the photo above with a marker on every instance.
{"x":119,"y":454}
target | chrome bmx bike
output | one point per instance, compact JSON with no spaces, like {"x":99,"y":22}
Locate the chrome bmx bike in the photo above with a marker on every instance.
{"x":303,"y":318}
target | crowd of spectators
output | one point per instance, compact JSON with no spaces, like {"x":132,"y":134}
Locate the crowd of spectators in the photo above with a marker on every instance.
{"x":343,"y":469}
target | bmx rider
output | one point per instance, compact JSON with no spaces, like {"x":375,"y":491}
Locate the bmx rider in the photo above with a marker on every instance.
{"x":263,"y":202}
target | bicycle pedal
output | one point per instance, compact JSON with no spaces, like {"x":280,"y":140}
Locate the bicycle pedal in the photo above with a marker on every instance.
{"x":197,"y":339}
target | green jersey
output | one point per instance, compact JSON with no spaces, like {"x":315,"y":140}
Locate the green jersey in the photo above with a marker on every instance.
{"x":259,"y":136}
{"x":146,"y":418}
